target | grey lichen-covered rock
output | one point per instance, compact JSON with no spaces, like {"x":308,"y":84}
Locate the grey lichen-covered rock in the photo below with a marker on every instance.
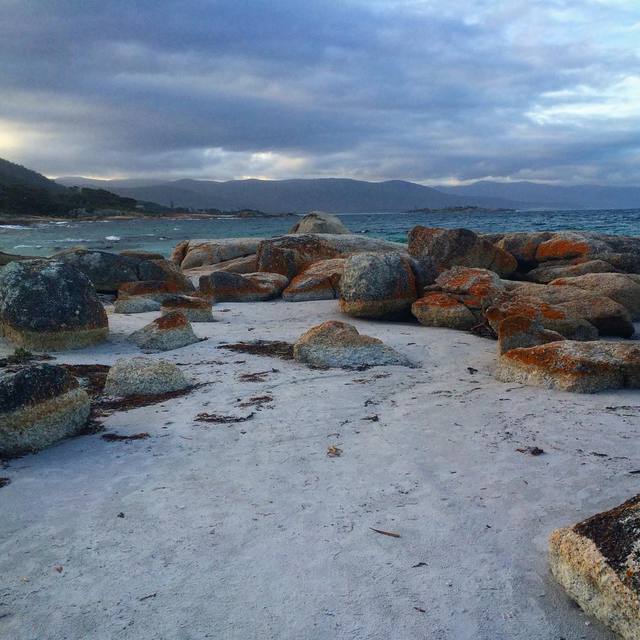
{"x":222,"y":286}
{"x":109,"y":271}
{"x":47,"y":305}
{"x":137,"y":304}
{"x":597,"y":561}
{"x":447,"y":248}
{"x":144,"y":376}
{"x":338,"y":344}
{"x":319,"y":222}
{"x":196,"y":309}
{"x":582,"y":367}
{"x":39,"y":405}
{"x":171,"y":331}
{"x":377,"y":285}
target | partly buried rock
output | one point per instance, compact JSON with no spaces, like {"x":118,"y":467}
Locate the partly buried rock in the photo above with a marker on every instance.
{"x":549,"y":271}
{"x":221,"y":286}
{"x":320,"y":281}
{"x":377,"y":285}
{"x":158,"y":290}
{"x":46,"y":305}
{"x":319,"y":222}
{"x":39,"y":405}
{"x":292,"y":254}
{"x":337,"y":344}
{"x":144,"y":376}
{"x":447,"y":248}
{"x":597,"y":561}
{"x":551,"y":317}
{"x":437,"y":309}
{"x":195,"y":309}
{"x":171,"y":331}
{"x":197,"y":253}
{"x":623,"y":289}
{"x":520,"y":332}
{"x":583,"y":367}
{"x":137,"y":304}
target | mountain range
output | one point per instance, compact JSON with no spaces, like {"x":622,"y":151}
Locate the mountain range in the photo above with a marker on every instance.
{"x":339,"y":195}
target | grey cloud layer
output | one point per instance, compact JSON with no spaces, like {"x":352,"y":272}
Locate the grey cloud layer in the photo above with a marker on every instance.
{"x":417,"y":90}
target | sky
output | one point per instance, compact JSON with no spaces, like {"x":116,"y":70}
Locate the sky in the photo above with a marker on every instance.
{"x":433,"y":91}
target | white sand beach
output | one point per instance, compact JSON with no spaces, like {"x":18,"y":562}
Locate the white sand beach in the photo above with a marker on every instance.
{"x":250,"y":530}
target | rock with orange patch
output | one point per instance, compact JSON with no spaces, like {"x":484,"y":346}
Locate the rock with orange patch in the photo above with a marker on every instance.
{"x":617,"y":286}
{"x":446,"y":248}
{"x":320,"y":281}
{"x":519,"y":331}
{"x":171,"y":331}
{"x":608,"y":316}
{"x":157,"y":290}
{"x":522,"y":245}
{"x":582,"y":367}
{"x":222,"y":286}
{"x":291,"y":255}
{"x":338,"y":344}
{"x":190,"y":254}
{"x":597,"y":561}
{"x":478,"y":288}
{"x":195,"y":308}
{"x":443,"y":310}
{"x":550,"y":317}
{"x":551,"y":271}
{"x":377,"y":285}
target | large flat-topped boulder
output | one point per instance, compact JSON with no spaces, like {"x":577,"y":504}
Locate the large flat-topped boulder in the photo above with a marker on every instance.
{"x":46,"y":305}
{"x":597,"y":561}
{"x":377,"y":285}
{"x":290,"y":255}
{"x":221,"y":286}
{"x":338,"y":344}
{"x":39,"y":405}
{"x":197,"y":253}
{"x":109,"y":271}
{"x":319,"y":222}
{"x":320,"y":281}
{"x":446,"y":248}
{"x":158,"y":290}
{"x":582,"y":367}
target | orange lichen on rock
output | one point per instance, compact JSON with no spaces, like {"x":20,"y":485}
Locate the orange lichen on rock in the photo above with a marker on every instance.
{"x":583,"y":367}
{"x":561,"y":248}
{"x":443,"y":310}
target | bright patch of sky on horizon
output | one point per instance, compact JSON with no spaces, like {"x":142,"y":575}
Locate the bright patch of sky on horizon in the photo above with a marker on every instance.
{"x":426,"y":90}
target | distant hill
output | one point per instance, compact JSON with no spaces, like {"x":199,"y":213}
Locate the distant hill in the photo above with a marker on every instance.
{"x":558,"y":197}
{"x":335,"y":195}
{"x":26,"y":192}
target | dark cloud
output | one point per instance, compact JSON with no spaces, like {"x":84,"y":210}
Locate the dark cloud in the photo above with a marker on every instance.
{"x":414,"y":89}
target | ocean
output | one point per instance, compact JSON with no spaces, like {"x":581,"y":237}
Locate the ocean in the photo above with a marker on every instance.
{"x":161,"y":235}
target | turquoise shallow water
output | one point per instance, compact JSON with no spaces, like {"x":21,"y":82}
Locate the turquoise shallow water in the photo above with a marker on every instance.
{"x":162,"y":235}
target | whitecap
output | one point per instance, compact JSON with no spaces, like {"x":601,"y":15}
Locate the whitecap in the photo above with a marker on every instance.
{"x":12,"y":226}
{"x":113,"y":238}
